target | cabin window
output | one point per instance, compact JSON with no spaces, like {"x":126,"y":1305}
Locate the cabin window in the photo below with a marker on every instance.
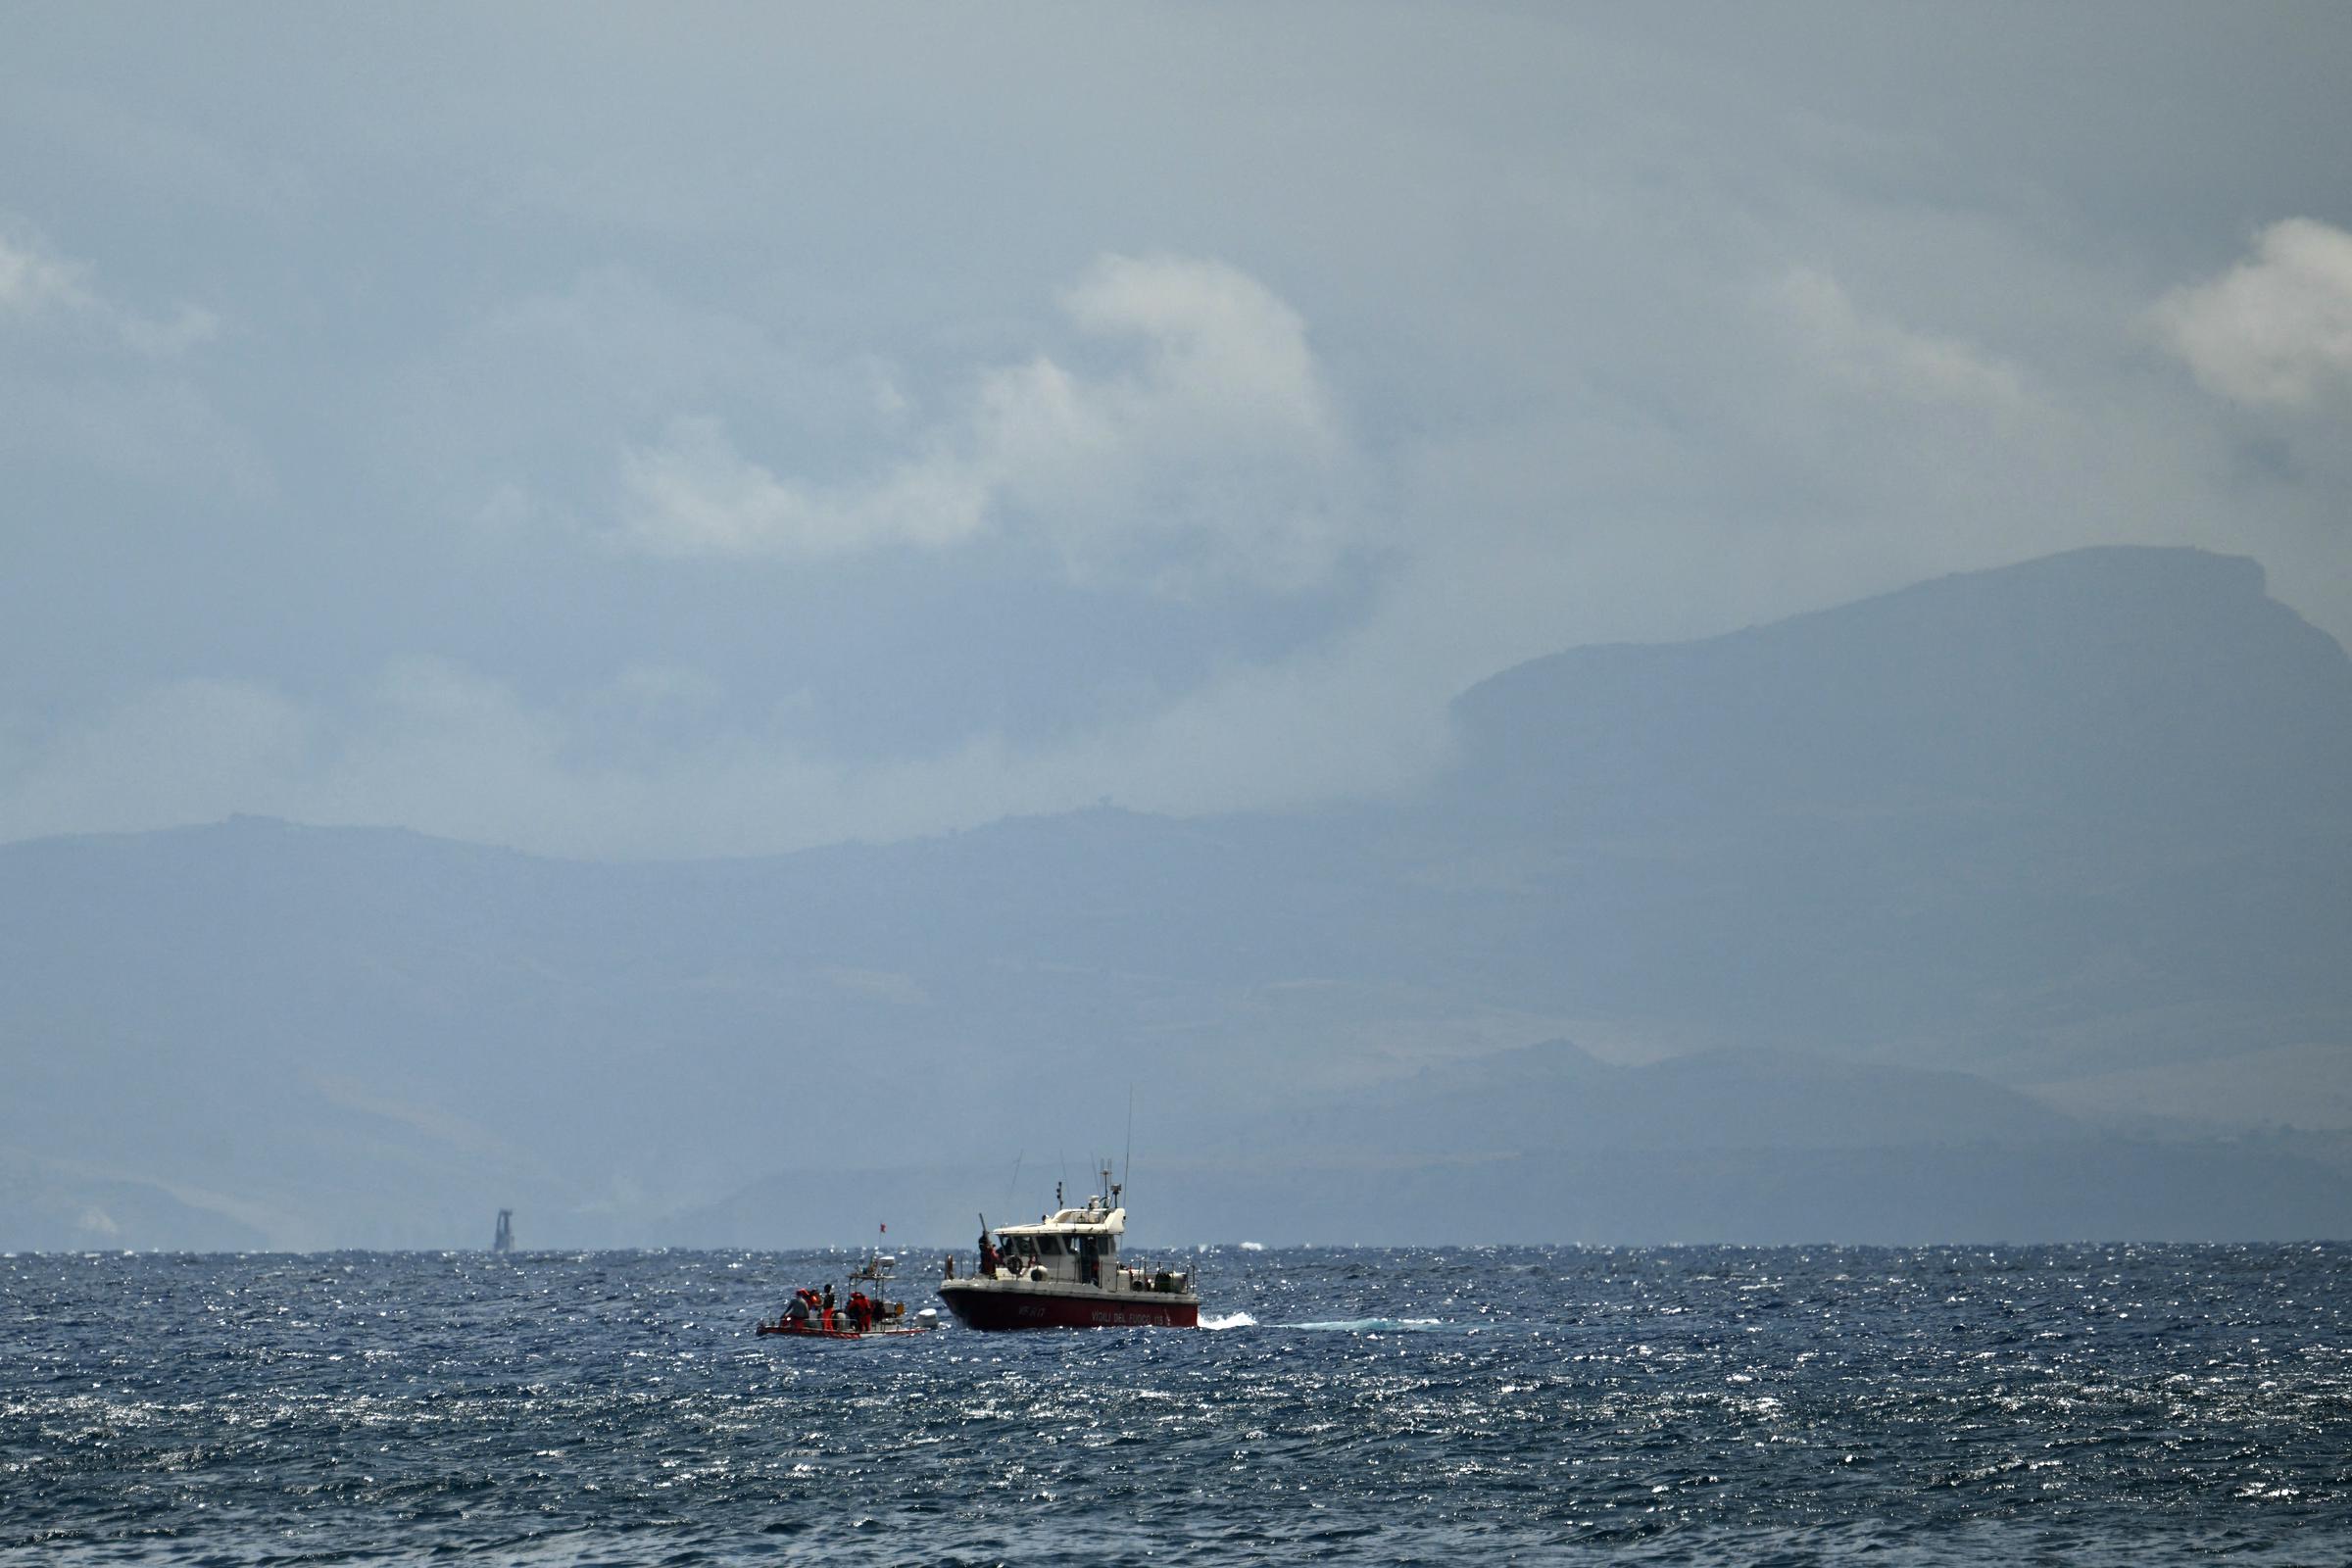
{"x":1049,"y":1246}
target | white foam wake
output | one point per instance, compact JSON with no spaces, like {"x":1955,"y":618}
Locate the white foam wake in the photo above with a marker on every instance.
{"x":1370,"y":1325}
{"x":1231,"y":1321}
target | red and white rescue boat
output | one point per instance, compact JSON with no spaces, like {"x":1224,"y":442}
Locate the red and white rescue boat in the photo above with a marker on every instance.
{"x":1066,"y":1272}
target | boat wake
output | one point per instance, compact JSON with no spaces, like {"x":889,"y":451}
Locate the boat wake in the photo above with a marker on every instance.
{"x":1370,"y":1325}
{"x":1347,"y":1325}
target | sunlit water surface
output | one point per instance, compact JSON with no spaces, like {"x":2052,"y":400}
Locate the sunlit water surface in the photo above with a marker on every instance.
{"x":2095,"y":1405}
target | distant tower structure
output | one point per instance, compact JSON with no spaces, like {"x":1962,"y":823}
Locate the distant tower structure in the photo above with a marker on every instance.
{"x":503,"y":1241}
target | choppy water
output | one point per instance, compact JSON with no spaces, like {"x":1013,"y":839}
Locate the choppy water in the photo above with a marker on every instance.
{"x":1703,"y":1404}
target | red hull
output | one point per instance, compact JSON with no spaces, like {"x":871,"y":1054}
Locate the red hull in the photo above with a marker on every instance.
{"x":833,"y":1334}
{"x":995,"y":1309}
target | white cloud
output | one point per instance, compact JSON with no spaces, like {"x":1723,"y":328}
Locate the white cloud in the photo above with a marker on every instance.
{"x":1226,"y":354}
{"x":651,"y":765}
{"x":1210,"y":452}
{"x":36,"y":283}
{"x":32,"y":281}
{"x":2275,"y":330}
{"x":1882,"y":355}
{"x":695,"y":494}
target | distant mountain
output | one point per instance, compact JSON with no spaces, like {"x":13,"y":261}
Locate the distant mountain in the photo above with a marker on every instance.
{"x":2063,"y":817}
{"x":1554,"y":1098}
{"x":2155,"y":690}
{"x":1996,"y":881}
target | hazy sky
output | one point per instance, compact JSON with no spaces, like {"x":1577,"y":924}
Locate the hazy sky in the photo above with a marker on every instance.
{"x":682,"y":430}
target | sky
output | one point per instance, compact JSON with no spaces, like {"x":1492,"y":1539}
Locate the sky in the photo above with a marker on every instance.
{"x":631,"y":432}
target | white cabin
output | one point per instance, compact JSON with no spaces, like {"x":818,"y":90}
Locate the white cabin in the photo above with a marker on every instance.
{"x":1078,"y":1246}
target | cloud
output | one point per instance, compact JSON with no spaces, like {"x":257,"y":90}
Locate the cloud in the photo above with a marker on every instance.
{"x":2275,"y":330}
{"x":694,"y":495}
{"x":37,"y":284}
{"x":1882,"y":355}
{"x":1483,"y":366}
{"x":1206,"y":453}
{"x":32,"y":281}
{"x":1226,"y":354}
{"x":652,"y":765}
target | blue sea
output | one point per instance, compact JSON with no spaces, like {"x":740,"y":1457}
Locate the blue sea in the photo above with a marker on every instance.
{"x":2119,"y":1404}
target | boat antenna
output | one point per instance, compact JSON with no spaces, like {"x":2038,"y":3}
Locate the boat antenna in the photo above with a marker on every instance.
{"x":1127,"y":1161}
{"x":1016,"y":1177}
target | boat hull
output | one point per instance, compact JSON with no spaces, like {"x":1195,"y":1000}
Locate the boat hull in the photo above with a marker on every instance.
{"x":1006,"y":1305}
{"x":793,"y":1331}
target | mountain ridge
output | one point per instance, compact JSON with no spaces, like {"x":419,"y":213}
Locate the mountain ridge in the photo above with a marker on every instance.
{"x":2026,"y":830}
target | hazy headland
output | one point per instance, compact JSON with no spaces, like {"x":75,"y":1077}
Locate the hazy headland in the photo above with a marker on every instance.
{"x":2012,"y":906}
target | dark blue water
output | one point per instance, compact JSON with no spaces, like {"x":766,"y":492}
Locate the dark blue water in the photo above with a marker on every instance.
{"x":1692,"y":1404}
